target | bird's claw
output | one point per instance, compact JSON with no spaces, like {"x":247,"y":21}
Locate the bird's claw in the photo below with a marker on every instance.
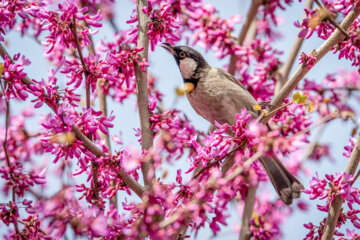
{"x":266,"y":105}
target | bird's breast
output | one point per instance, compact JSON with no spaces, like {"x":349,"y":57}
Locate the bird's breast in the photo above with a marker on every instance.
{"x":215,"y":103}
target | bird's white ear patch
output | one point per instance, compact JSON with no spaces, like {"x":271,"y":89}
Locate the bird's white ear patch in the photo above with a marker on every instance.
{"x":187,"y":67}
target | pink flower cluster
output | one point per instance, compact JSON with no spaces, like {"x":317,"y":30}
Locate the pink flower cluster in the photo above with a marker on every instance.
{"x":14,"y":72}
{"x":211,"y":30}
{"x":60,"y":24}
{"x":163,"y":24}
{"x":265,"y":60}
{"x":308,"y":59}
{"x":315,"y":22}
{"x":339,"y":185}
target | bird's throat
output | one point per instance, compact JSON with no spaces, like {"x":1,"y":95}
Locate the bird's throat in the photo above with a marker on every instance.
{"x":187,"y":67}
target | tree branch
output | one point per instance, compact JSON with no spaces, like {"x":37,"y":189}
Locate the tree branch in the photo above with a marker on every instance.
{"x":103,"y":109}
{"x":255,"y":4}
{"x":248,"y":210}
{"x":312,"y":146}
{"x":142,"y":88}
{"x":335,"y":206}
{"x":302,"y":70}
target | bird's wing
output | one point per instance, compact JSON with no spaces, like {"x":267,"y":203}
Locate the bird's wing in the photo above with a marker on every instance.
{"x":225,"y":75}
{"x":245,"y":98}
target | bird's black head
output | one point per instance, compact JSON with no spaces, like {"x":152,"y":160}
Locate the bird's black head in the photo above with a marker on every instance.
{"x":191,"y":63}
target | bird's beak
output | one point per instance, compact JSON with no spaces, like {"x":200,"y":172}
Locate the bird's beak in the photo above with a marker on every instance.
{"x":169,"y":47}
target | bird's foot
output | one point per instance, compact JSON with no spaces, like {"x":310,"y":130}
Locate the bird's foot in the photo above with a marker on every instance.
{"x":265,"y":105}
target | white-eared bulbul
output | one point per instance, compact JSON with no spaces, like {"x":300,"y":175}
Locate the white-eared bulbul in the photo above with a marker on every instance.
{"x":218,"y":96}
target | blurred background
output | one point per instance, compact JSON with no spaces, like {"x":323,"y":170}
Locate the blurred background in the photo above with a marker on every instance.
{"x":163,"y":67}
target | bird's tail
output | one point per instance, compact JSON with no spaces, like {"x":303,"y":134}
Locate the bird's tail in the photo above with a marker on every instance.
{"x":286,"y":185}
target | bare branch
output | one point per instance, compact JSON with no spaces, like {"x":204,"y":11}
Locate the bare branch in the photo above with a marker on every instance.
{"x":312,"y":146}
{"x":294,"y":50}
{"x":335,"y":206}
{"x":321,"y":121}
{"x":255,"y":4}
{"x":103,"y":109}
{"x":142,"y":88}
{"x":113,"y":25}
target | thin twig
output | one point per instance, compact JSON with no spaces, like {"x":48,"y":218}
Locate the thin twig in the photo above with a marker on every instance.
{"x":103,"y":108}
{"x":255,"y":4}
{"x":24,"y":223}
{"x":310,"y":149}
{"x":94,"y":165}
{"x":113,"y":25}
{"x":302,"y":70}
{"x":325,"y":89}
{"x":274,"y":111}
{"x":7,"y":157}
{"x":142,"y":90}
{"x":247,"y":163}
{"x":321,"y":121}
{"x":335,"y":206}
{"x":106,"y":137}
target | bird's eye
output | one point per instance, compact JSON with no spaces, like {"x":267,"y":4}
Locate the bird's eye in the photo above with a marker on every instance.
{"x":182,"y":54}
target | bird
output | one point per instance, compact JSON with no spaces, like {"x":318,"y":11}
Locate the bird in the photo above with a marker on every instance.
{"x":218,"y":96}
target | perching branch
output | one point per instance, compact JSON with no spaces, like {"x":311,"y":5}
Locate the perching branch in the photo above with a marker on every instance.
{"x":255,"y":4}
{"x":142,"y":89}
{"x":302,"y":70}
{"x":127,"y":179}
{"x":335,"y":206}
